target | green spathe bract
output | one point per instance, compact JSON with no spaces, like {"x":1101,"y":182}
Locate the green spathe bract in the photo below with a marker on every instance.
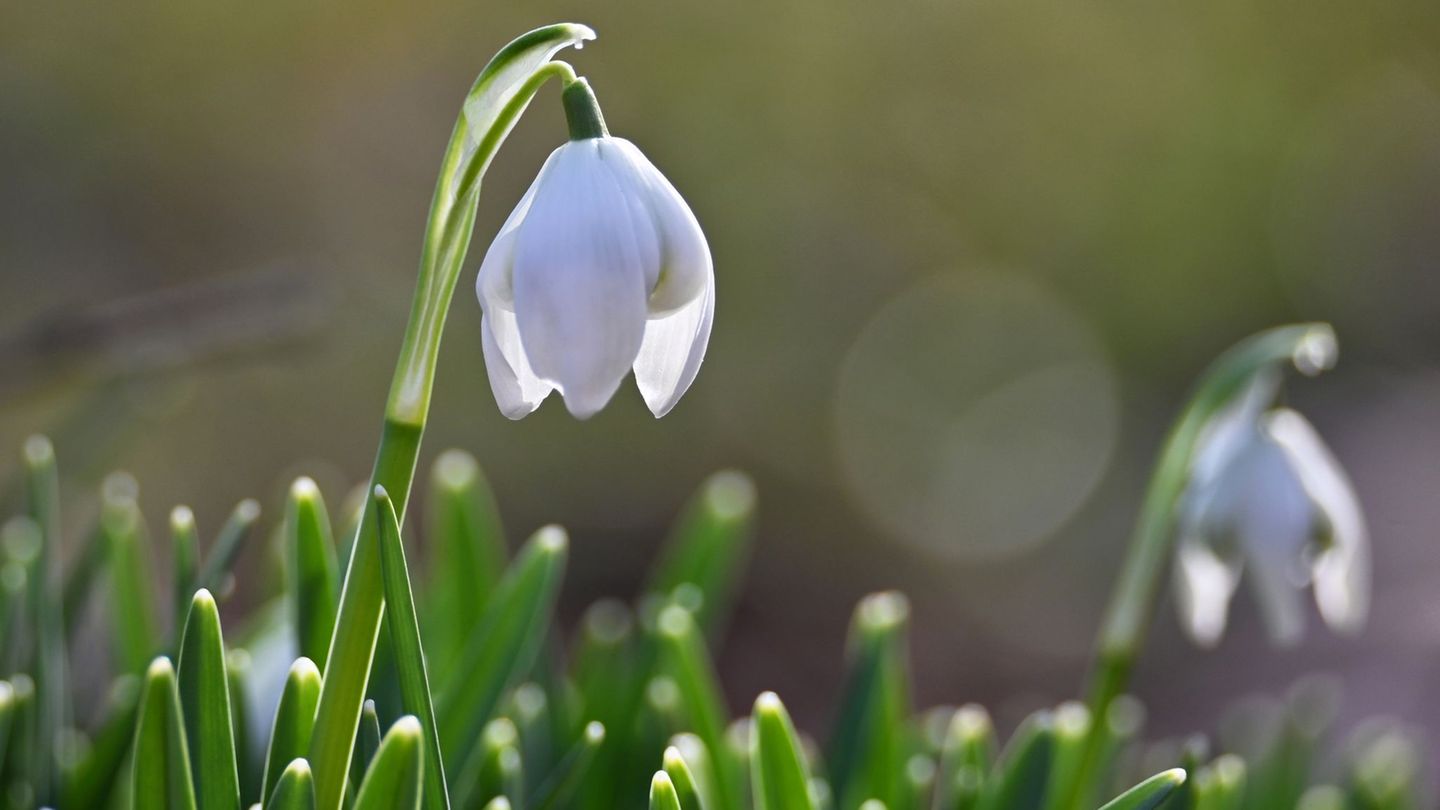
{"x":494,"y":103}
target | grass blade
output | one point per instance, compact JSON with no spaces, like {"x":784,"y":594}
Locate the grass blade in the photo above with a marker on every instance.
{"x":1020,"y":779}
{"x":686,"y":788}
{"x":161,"y":756}
{"x":314,"y":579}
{"x":52,"y":692}
{"x":777,"y":764}
{"x":687,"y":661}
{"x":95,"y":776}
{"x":294,"y":722}
{"x":295,"y":789}
{"x":662,"y":793}
{"x":393,"y":781}
{"x":1221,"y":785}
{"x":966,"y":755}
{"x":1149,"y":794}
{"x":563,"y":783}
{"x":129,"y":572}
{"x":503,"y":647}
{"x":467,"y":555}
{"x":409,"y":653}
{"x":185,"y":550}
{"x":709,"y":545}
{"x":205,"y":701}
{"x":247,"y":758}
{"x":367,"y":744}
{"x":227,"y":547}
{"x":868,"y":749}
{"x":1071,"y":735}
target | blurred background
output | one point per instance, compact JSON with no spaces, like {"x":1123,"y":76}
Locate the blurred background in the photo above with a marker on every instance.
{"x":970,"y":256}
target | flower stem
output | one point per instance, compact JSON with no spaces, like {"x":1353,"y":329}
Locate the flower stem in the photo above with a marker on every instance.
{"x":1311,"y":348}
{"x":495,"y":102}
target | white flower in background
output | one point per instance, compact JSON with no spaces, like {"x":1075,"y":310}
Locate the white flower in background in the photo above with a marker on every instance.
{"x":600,"y":269}
{"x":1267,"y":497}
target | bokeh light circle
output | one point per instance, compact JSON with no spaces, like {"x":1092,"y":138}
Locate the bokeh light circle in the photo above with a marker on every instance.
{"x":974,"y":415}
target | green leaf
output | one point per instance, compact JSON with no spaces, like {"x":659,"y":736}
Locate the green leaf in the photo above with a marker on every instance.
{"x":1221,"y":785}
{"x":295,"y":789}
{"x":85,"y":571}
{"x":1020,"y":778}
{"x":686,"y":659}
{"x":205,"y":700}
{"x":494,"y":103}
{"x":52,"y":697}
{"x":7,"y":717}
{"x":709,"y":545}
{"x":686,"y":788}
{"x":368,"y":742}
{"x":495,"y":767}
{"x":467,"y":554}
{"x":409,"y":654}
{"x":247,"y":758}
{"x":161,"y":757}
{"x":1071,"y":734}
{"x":227,"y":547}
{"x":19,"y":762}
{"x":777,"y":764}
{"x":129,"y":572}
{"x":966,"y":754}
{"x":96,"y":775}
{"x":185,"y":552}
{"x":503,"y":646}
{"x":294,"y":721}
{"x":1149,"y":794}
{"x":662,"y":793}
{"x":869,"y":748}
{"x":393,"y":781}
{"x":314,"y":580}
{"x":696,"y":757}
{"x":565,"y":780}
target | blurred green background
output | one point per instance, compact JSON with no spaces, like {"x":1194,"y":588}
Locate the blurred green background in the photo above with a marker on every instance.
{"x":969,"y":257}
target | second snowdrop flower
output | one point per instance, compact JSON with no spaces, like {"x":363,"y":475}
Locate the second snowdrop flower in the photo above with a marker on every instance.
{"x":600,"y":269}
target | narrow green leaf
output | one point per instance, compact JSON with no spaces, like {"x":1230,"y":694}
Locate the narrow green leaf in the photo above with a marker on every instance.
{"x":19,"y":762}
{"x":1071,"y":735}
{"x":95,"y":776}
{"x":662,"y":793}
{"x":495,"y":767}
{"x":502,"y":648}
{"x":85,"y":571}
{"x":46,"y":603}
{"x":394,"y":779}
{"x":967,"y":753}
{"x":467,"y":556}
{"x":314,"y":579}
{"x":129,"y":572}
{"x":687,"y":661}
{"x":294,"y":721}
{"x":491,"y":108}
{"x":686,"y":788}
{"x":368,"y":742}
{"x":607,"y":661}
{"x":777,"y":764}
{"x":205,"y":700}
{"x":409,"y":654}
{"x":185,"y":550}
{"x":228,"y":544}
{"x":697,"y":760}
{"x":295,"y":789}
{"x":1020,"y":778}
{"x":247,"y":754}
{"x":868,"y":750}
{"x":161,"y":756}
{"x":708,"y":546}
{"x":1221,"y":785}
{"x":498,"y":803}
{"x":564,"y":781}
{"x":7,"y":719}
{"x":1149,"y":794}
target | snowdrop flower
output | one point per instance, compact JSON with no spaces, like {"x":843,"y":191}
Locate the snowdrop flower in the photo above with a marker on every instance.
{"x":600,"y":269}
{"x":1267,"y":497}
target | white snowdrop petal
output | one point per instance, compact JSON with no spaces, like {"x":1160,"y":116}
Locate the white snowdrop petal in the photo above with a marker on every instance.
{"x":517,"y":390}
{"x":685,"y":266}
{"x":1205,"y":583}
{"x":494,"y":283}
{"x":1277,"y":593}
{"x":671,"y":353}
{"x":1232,"y":429}
{"x":1341,"y":571}
{"x":579,"y":280}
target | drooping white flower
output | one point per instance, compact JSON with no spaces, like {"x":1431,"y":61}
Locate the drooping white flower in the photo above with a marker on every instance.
{"x":600,"y":269}
{"x":1267,"y":497}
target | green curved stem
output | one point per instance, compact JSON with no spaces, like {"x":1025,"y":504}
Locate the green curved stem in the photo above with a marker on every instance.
{"x":1311,"y":348}
{"x":494,"y":104}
